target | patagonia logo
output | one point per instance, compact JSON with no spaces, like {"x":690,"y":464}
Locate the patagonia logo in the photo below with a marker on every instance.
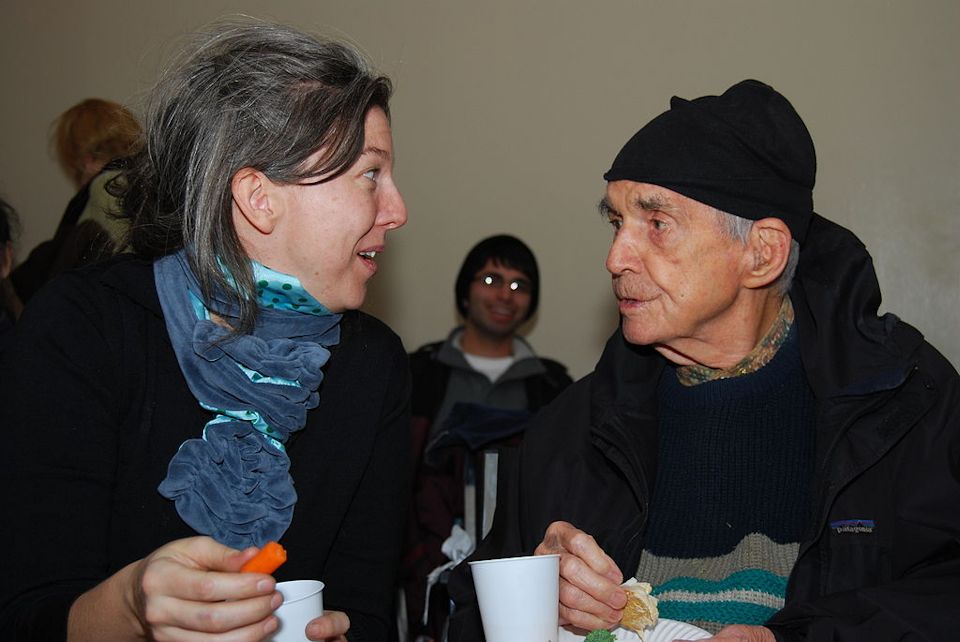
{"x":852,"y":526}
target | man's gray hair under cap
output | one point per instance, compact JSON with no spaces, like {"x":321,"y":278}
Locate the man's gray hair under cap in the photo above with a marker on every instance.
{"x":745,"y":152}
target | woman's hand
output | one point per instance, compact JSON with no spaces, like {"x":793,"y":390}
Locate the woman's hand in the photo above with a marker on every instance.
{"x":330,"y":627}
{"x":590,"y":593}
{"x":186,"y":590}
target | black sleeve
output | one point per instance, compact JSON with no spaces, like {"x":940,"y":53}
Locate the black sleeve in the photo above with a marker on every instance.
{"x":58,"y":413}
{"x":366,"y":553}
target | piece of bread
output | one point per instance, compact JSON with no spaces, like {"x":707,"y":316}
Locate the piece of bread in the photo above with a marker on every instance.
{"x":640,"y":613}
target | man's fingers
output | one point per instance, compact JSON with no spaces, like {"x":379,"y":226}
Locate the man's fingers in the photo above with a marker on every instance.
{"x":599,"y":587}
{"x":554,"y":536}
{"x":563,"y":537}
{"x":581,"y":608}
{"x":586,"y":548}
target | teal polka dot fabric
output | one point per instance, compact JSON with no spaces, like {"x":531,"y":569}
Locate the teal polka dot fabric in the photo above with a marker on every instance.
{"x":279,"y":291}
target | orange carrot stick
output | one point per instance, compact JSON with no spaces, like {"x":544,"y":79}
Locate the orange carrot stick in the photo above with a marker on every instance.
{"x":267,"y":560}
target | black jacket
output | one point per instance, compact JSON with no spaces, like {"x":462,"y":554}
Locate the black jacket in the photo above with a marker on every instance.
{"x":93,"y":406}
{"x":888,"y":450}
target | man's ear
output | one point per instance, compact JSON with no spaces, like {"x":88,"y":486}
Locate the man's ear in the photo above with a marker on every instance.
{"x":253,"y":197}
{"x":769,"y":248}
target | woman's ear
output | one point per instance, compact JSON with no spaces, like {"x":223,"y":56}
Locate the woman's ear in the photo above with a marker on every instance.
{"x":769,"y":246}
{"x":253,"y":199}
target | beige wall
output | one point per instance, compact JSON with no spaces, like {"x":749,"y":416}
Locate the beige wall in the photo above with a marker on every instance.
{"x":508,"y":111}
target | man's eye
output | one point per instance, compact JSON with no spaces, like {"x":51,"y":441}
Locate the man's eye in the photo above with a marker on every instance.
{"x":658,"y":224}
{"x":615,"y":223}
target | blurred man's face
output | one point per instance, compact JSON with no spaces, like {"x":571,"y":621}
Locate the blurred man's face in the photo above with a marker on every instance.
{"x":676,"y":276}
{"x":498,"y":300}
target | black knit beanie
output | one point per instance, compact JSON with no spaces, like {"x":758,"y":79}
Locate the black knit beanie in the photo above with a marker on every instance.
{"x":745,"y":152}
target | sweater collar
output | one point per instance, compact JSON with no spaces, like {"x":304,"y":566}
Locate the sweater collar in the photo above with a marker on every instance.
{"x":759,"y":356}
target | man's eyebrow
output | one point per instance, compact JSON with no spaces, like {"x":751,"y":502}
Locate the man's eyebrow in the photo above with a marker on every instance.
{"x":376,"y":151}
{"x":652,"y":203}
{"x":605,"y":208}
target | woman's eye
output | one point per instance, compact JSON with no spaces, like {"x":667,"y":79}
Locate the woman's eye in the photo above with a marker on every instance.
{"x":372,"y":174}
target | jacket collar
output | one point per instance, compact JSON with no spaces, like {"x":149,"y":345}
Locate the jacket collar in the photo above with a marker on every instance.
{"x":846,"y":348}
{"x":525,"y":363}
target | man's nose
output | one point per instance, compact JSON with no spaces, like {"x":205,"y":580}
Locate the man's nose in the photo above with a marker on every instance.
{"x":621,"y":255}
{"x":505,"y":291}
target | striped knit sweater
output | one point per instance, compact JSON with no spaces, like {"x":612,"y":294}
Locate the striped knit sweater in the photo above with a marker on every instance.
{"x":731,"y":496}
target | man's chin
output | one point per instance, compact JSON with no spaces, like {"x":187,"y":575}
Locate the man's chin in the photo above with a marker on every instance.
{"x":637,"y":334}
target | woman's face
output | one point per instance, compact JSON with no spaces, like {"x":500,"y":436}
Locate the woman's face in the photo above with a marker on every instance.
{"x":331,"y":233}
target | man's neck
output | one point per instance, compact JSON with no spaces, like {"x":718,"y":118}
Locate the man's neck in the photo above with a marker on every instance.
{"x":482,"y":345}
{"x":728,"y":346}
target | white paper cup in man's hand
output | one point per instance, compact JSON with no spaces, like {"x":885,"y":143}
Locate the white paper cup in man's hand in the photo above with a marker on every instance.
{"x":519,"y":597}
{"x":302,"y":602}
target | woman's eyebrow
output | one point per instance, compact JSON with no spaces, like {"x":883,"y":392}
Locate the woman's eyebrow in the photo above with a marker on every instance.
{"x":377,"y":151}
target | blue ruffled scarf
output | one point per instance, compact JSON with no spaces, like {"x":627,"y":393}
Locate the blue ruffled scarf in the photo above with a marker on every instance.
{"x":233,"y":483}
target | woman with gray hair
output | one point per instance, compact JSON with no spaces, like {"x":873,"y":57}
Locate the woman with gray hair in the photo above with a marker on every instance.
{"x":177,"y":408}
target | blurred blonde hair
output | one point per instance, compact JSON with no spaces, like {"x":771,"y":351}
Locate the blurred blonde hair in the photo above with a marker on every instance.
{"x":94,"y":130}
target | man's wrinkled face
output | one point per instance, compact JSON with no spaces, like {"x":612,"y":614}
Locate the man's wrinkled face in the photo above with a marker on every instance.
{"x":676,"y":276}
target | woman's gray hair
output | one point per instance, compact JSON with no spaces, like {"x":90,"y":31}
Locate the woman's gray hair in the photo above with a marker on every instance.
{"x":738,"y":228}
{"x":245,"y":94}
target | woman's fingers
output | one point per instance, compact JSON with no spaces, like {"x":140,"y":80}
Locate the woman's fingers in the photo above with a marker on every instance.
{"x":168,"y":577}
{"x":331,"y":626}
{"x":190,"y":589}
{"x":253,"y":633}
{"x":210,"y":617}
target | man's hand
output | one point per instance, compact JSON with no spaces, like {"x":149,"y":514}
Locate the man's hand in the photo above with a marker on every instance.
{"x":742,"y":633}
{"x":590,"y":593}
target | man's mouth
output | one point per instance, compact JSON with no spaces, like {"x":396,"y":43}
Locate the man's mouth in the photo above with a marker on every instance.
{"x":502,"y":312}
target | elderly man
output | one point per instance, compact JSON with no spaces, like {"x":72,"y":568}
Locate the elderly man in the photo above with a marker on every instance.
{"x":776,"y":459}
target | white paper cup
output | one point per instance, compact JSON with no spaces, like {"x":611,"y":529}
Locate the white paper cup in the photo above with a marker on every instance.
{"x":519,"y":597}
{"x":302,"y":602}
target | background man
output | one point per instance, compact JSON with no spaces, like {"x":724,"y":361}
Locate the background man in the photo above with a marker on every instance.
{"x":483,"y":363}
{"x":765,"y":450}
